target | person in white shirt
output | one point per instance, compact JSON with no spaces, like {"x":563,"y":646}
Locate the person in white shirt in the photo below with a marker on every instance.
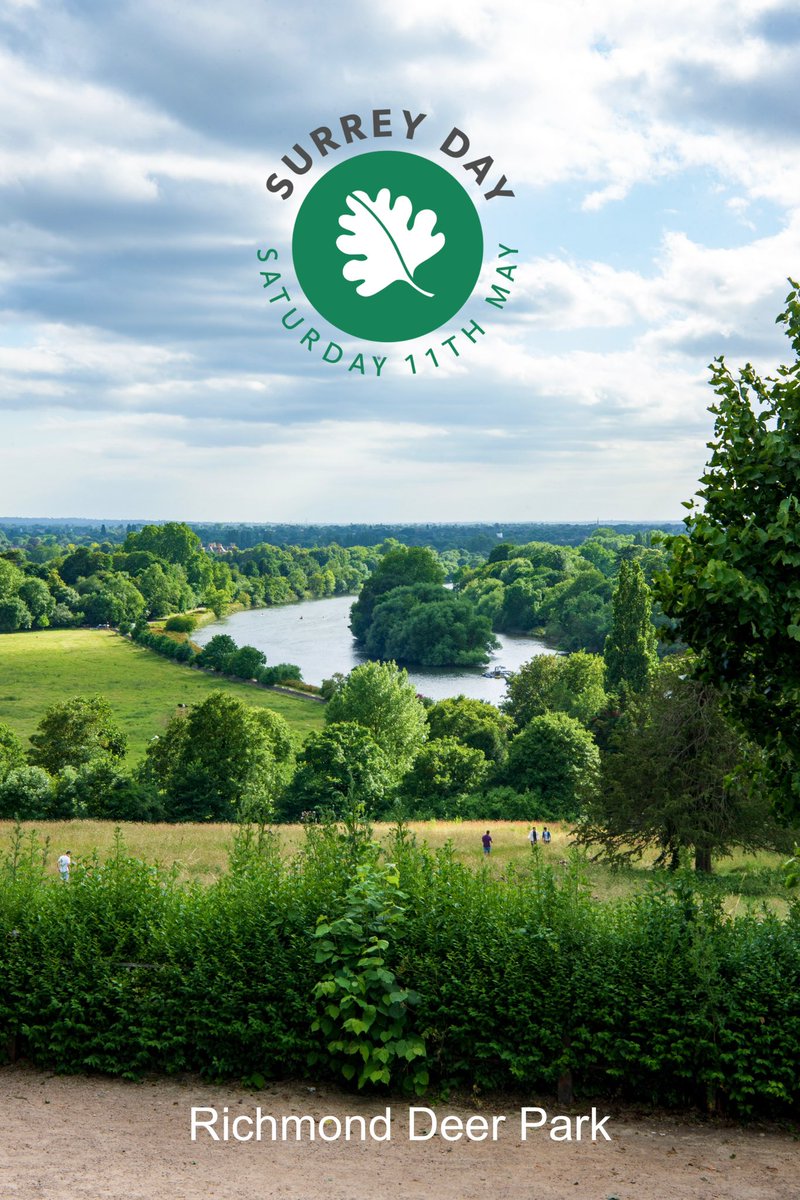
{"x":64,"y":864}
{"x":533,"y":838}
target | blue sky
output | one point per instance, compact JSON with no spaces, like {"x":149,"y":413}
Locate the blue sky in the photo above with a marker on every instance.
{"x":654,"y":152}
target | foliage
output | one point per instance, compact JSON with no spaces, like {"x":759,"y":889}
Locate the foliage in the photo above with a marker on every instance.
{"x":379,"y":697}
{"x":442,"y":770}
{"x":427,"y":624}
{"x":27,"y":794}
{"x":281,"y":673}
{"x":342,"y":765}
{"x":246,"y":663}
{"x":402,"y":566}
{"x":181,"y":623}
{"x":216,"y":653}
{"x":97,"y":790}
{"x":76,"y":731}
{"x":505,"y":803}
{"x":363,"y":1011}
{"x":571,"y":683}
{"x":220,"y":761}
{"x":555,"y":757}
{"x":12,"y":753}
{"x":14,"y":615}
{"x":475,"y":723}
{"x":667,"y":778}
{"x":630,"y":648}
{"x":663,"y":1000}
{"x":731,"y":581}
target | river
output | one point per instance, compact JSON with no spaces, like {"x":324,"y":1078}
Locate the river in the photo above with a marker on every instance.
{"x":316,"y":636}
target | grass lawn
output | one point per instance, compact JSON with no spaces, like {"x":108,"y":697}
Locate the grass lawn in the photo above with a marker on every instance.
{"x":201,"y":853}
{"x":37,"y":669}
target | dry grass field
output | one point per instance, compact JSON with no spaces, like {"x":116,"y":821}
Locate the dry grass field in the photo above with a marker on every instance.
{"x":200,"y":852}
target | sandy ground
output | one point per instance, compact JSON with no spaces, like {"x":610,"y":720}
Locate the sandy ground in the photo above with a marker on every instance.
{"x":105,"y":1139}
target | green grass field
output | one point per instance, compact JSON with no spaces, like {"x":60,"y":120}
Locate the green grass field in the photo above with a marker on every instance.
{"x":37,"y":669}
{"x":200,"y":853}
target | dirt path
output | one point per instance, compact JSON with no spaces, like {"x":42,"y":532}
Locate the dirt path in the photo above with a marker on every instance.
{"x":67,"y":1138}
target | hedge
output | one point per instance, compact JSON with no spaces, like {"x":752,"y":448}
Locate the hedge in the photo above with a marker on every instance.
{"x":502,"y":983}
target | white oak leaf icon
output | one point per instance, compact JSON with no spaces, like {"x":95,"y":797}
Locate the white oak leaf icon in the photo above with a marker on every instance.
{"x":388,"y":249}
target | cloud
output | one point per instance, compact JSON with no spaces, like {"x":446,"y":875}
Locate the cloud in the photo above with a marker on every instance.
{"x":654,"y":156}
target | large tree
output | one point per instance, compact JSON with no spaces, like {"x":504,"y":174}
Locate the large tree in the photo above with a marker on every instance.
{"x":556,"y":758}
{"x":667,"y":778}
{"x":732,"y":583}
{"x":74,"y":732}
{"x":630,"y":648}
{"x":340,"y":766}
{"x":430,"y":625}
{"x":571,"y":683}
{"x":475,"y":723}
{"x":379,"y":697}
{"x":220,"y":762}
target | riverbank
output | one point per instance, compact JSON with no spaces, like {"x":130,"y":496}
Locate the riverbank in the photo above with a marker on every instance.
{"x":315,"y":635}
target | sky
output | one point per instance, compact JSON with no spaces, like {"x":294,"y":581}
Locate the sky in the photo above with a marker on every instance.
{"x":654,"y":155}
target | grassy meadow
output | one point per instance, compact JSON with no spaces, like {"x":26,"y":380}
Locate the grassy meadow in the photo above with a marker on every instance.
{"x":144,"y":690}
{"x":200,"y":853}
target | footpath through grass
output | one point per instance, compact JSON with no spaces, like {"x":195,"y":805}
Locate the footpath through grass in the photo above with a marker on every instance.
{"x":144,"y":690}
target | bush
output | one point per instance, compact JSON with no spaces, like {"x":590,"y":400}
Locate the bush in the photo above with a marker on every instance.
{"x":557,"y":758}
{"x":181,"y":623}
{"x":498,"y":983}
{"x":281,"y":673}
{"x":505,"y":804}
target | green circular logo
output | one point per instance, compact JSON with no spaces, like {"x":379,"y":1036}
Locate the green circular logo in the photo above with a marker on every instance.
{"x":387,"y":246}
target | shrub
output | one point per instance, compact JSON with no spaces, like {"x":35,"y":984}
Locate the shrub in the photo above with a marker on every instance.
{"x":181,"y":623}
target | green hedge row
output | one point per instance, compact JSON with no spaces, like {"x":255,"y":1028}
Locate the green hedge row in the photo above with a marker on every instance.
{"x":508,"y":982}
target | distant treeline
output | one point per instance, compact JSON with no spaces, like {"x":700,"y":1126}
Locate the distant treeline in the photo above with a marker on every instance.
{"x":477,"y":537}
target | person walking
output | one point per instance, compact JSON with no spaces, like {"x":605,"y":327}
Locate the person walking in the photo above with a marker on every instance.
{"x":546,"y":836}
{"x":487,"y":842}
{"x":533,"y":838}
{"x":64,"y":864}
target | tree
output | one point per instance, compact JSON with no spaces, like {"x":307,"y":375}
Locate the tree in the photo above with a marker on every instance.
{"x":14,"y":615}
{"x":173,"y":542}
{"x":109,"y":599}
{"x":556,"y":758}
{"x":27,"y":793}
{"x":666,"y":781}
{"x":76,"y":731}
{"x":442,"y":770}
{"x":246,"y":663}
{"x":11,"y":579}
{"x":336,"y":768}
{"x":732,"y":579}
{"x":216,"y":654}
{"x":221,"y":762}
{"x":571,"y":683}
{"x":474,"y":723}
{"x":379,"y":697}
{"x":630,"y":648}
{"x":35,"y":594}
{"x":99,"y":791}
{"x":12,"y":754}
{"x":427,"y":624}
{"x":401,"y":567}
